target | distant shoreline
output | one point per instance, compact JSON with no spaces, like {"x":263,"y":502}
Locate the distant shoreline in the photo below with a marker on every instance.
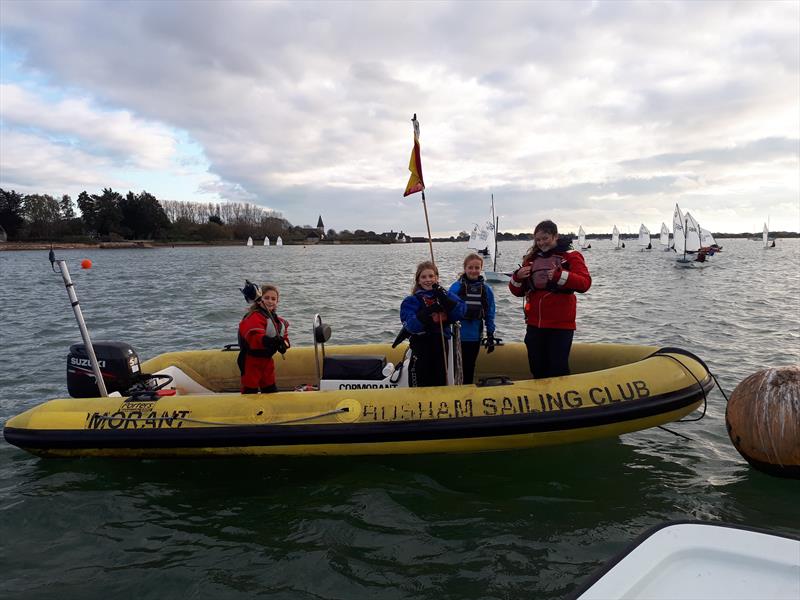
{"x":150,"y":244}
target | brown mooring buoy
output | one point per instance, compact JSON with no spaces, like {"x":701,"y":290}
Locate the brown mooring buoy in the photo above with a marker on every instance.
{"x":763,"y":419}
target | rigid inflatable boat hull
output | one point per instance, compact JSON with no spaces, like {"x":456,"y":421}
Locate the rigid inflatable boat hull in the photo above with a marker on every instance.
{"x":634,"y":390}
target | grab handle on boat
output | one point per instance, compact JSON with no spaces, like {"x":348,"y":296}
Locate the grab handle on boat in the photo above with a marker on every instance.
{"x":230,"y":347}
{"x":494,"y":381}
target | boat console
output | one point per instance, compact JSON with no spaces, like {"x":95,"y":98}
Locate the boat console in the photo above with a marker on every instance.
{"x":355,"y":371}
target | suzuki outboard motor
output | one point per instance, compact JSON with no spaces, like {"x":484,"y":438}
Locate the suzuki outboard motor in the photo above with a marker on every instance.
{"x":118,"y":362}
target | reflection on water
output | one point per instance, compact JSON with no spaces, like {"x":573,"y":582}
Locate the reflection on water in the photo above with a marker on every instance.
{"x":512,"y":524}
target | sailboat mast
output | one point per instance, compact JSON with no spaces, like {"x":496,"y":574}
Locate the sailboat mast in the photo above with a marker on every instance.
{"x":495,"y":221}
{"x":685,"y":236}
{"x":496,"y":225}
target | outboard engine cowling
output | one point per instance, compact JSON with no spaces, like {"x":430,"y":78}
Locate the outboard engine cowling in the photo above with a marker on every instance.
{"x":119,"y":365}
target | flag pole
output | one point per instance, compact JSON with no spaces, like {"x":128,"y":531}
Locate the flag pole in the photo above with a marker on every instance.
{"x":428,"y":224}
{"x":416,"y":183}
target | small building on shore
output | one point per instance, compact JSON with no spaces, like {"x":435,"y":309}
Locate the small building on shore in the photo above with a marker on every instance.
{"x":320,"y":228}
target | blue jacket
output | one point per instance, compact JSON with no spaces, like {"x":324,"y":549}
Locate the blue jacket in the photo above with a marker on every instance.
{"x":413,"y":303}
{"x":471,"y":328}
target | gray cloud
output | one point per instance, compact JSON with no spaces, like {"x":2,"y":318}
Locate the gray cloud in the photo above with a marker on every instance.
{"x":304,"y":107}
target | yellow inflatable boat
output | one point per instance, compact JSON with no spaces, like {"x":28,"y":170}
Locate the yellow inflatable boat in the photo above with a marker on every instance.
{"x":357,"y":403}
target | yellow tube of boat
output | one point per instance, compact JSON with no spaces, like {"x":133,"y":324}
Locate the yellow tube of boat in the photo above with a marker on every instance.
{"x":614,"y":389}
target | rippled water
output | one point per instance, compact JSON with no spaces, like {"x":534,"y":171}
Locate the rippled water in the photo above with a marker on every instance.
{"x":506,"y":525}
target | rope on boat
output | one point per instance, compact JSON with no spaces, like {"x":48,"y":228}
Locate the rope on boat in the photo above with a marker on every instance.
{"x":662,"y":352}
{"x":217,"y":423}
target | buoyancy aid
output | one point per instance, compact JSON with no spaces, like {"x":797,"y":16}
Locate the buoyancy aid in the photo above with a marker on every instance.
{"x":439,"y":316}
{"x":540,"y":267}
{"x":275,"y":327}
{"x":474,"y":295}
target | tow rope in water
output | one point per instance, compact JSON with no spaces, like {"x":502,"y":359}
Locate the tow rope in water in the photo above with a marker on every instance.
{"x":705,"y":397}
{"x":217,"y":423}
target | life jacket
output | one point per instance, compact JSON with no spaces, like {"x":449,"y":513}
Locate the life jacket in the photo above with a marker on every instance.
{"x":438,"y":317}
{"x":474,"y":295}
{"x":539,"y":268}
{"x":542,"y":263}
{"x":275,"y":327}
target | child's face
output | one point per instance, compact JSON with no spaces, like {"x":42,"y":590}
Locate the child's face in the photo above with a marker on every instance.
{"x":270,"y":300}
{"x":545,"y":241}
{"x":473,"y":268}
{"x":427,"y":278}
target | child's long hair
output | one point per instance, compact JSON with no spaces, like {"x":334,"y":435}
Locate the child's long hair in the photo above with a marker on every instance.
{"x":468,"y":259}
{"x":267,"y":287}
{"x":546,"y":227}
{"x":423,"y":266}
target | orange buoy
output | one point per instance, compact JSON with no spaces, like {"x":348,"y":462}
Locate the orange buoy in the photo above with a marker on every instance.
{"x":763,"y":420}
{"x":86,"y":264}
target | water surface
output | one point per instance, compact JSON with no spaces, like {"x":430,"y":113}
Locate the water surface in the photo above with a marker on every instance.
{"x":505,"y":525}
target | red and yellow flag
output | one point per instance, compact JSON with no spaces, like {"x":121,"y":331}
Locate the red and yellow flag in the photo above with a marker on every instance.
{"x":415,"y":182}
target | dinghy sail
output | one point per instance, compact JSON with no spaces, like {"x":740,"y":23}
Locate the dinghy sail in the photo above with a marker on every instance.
{"x":692,"y":234}
{"x":664,"y":236}
{"x":266,"y":240}
{"x":491,"y":240}
{"x":279,"y":241}
{"x":482,"y":238}
{"x":644,"y":237}
{"x":249,"y":241}
{"x":582,"y":239}
{"x":615,"y":239}
{"x":473,"y":242}
{"x":678,"y":236}
{"x":765,"y":238}
{"x":707,"y":238}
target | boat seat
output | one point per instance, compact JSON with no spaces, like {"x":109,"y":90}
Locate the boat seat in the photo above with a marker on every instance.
{"x":353,"y":366}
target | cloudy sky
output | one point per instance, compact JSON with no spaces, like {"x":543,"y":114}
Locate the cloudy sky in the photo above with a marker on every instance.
{"x":592,"y":113}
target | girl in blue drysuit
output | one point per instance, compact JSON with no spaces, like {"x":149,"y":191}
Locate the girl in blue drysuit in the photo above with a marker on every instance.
{"x":426,"y":313}
{"x":480,"y":309}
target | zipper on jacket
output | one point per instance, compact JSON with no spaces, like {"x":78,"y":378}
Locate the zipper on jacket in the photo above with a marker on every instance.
{"x":540,"y":308}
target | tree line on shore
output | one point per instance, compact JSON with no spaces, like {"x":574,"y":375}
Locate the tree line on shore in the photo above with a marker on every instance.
{"x":109,"y":216}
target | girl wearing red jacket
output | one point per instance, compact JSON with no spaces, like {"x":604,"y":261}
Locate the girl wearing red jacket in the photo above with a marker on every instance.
{"x":262,"y":333}
{"x":550,"y":274}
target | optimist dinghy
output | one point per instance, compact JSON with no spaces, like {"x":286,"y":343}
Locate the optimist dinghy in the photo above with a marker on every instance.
{"x":702,"y":561}
{"x":359,"y":402}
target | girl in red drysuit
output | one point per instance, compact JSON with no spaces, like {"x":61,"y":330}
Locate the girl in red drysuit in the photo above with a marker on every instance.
{"x":262,"y":333}
{"x":550,"y":274}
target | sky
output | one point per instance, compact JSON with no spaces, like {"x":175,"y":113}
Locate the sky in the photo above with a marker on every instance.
{"x":587,"y":113}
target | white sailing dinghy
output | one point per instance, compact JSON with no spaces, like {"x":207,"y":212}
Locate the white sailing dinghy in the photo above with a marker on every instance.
{"x":688,"y":250}
{"x":765,"y":238}
{"x":474,"y":239}
{"x":702,"y":561}
{"x":678,"y":236}
{"x":249,"y":243}
{"x":279,"y":241}
{"x":615,"y":239}
{"x":491,"y":240}
{"x":644,"y":238}
{"x":664,"y":236}
{"x":582,"y":239}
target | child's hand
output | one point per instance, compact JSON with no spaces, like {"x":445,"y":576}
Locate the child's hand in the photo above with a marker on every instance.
{"x":523,"y":272}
